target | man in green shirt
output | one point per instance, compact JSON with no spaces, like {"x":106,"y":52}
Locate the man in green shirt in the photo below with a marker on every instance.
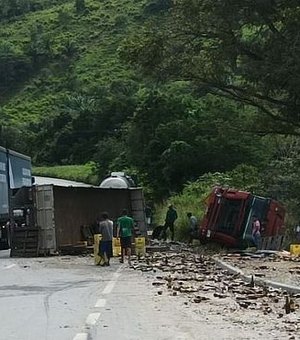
{"x":125,"y":226}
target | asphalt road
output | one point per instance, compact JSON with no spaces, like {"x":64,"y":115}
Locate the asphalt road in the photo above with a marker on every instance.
{"x":68,"y":298}
{"x":48,"y":298}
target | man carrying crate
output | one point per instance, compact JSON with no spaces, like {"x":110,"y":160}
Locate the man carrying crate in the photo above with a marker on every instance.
{"x":106,"y":230}
{"x":125,"y":227}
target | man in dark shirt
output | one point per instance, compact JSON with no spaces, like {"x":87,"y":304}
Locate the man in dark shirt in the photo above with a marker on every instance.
{"x":171,"y":217}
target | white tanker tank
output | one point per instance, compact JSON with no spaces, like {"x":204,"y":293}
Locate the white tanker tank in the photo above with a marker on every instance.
{"x":118,"y":180}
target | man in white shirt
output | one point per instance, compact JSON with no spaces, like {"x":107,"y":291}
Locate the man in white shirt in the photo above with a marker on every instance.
{"x":193,"y":227}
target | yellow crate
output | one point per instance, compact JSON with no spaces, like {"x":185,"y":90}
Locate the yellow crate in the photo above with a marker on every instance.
{"x":116,"y":250}
{"x":140,"y":246}
{"x":140,"y":241}
{"x":295,"y":249}
{"x":97,"y":258}
{"x":116,"y":242}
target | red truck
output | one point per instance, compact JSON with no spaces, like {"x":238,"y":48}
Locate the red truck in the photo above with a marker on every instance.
{"x":229,"y":218}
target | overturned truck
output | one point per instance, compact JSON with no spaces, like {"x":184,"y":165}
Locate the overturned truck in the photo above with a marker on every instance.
{"x":229,"y":218}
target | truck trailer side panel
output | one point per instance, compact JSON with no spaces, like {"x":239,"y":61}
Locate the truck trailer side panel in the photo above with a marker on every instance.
{"x":62,"y":211}
{"x":138,"y":208}
{"x":44,"y":208}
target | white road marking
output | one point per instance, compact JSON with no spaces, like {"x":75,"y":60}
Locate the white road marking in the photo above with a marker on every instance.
{"x":120,"y":268}
{"x":10,"y":266}
{"x":81,"y":336}
{"x":109,"y":287}
{"x":116,"y":275}
{"x":92,"y":319}
{"x":100,"y":303}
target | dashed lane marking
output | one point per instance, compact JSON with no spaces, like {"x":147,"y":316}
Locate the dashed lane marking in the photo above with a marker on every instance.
{"x":81,"y":336}
{"x":110,"y":286}
{"x":100,"y":303}
{"x":10,"y":266}
{"x":116,"y":275}
{"x":92,"y":319}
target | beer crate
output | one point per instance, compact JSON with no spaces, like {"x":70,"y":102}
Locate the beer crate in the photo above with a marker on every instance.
{"x":295,"y":249}
{"x":97,"y":239}
{"x":140,"y":245}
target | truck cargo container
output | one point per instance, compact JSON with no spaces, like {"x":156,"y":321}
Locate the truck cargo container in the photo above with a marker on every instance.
{"x":62,"y":213}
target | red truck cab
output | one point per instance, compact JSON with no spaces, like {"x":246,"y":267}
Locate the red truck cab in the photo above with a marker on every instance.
{"x":229,"y":218}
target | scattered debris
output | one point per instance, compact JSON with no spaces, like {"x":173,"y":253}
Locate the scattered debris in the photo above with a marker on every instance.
{"x":198,"y":279}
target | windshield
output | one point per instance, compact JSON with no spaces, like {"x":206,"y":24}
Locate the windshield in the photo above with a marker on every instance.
{"x":259,"y":209}
{"x":227,"y":221}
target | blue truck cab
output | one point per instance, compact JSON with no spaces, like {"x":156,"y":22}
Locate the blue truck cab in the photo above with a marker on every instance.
{"x":15,"y":172}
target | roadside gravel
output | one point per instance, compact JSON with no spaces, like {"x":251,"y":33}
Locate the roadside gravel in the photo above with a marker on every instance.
{"x":283,"y":269}
{"x":225,"y":306}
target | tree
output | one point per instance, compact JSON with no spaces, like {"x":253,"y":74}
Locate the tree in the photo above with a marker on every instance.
{"x":282,"y":175}
{"x":80,"y":6}
{"x":175,"y":138}
{"x":247,"y":51}
{"x":39,"y":47}
{"x":14,"y":65}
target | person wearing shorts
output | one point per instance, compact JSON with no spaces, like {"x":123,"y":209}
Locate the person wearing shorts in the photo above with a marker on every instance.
{"x":125,"y":226}
{"x":105,"y":246}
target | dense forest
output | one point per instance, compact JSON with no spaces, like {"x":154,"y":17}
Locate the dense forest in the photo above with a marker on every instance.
{"x":184,"y":94}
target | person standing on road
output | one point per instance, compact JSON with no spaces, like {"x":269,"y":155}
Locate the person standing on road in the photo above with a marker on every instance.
{"x":171,"y":217}
{"x":105,"y":246}
{"x":125,"y":227}
{"x":297,"y":233}
{"x":148,"y":213}
{"x":193,"y":225}
{"x":256,"y":232}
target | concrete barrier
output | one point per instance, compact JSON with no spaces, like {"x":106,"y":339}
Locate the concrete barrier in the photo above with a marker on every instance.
{"x":258,"y":280}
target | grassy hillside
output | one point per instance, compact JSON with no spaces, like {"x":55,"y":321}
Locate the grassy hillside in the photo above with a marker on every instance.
{"x":67,"y":97}
{"x":80,"y":173}
{"x":64,"y":52}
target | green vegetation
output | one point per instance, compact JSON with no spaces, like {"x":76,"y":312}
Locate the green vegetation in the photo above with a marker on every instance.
{"x":193,"y":196}
{"x":80,"y":173}
{"x":170,"y":91}
{"x":246,"y":51}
